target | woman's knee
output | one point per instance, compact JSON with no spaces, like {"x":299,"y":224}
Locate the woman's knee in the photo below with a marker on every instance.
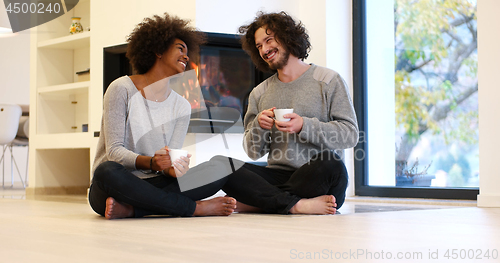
{"x":106,"y":171}
{"x":226,"y":164}
{"x":219,"y":159}
{"x":97,"y":199}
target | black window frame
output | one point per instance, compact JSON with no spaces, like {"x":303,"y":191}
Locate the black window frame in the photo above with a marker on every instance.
{"x":360,"y":104}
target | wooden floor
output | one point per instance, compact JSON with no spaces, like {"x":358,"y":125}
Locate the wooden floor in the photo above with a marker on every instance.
{"x":65,"y":229}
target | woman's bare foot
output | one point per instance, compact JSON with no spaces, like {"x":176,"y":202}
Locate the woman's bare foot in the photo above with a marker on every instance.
{"x":244,"y":208}
{"x":321,"y":205}
{"x":219,"y":206}
{"x":115,"y":209}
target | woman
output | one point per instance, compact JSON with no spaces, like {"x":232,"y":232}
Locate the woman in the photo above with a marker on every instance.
{"x":142,"y":120}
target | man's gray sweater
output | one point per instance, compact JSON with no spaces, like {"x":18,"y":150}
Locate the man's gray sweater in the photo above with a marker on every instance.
{"x":321,"y":98}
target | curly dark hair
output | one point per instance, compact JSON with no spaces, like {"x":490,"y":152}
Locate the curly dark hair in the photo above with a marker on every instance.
{"x":154,"y":35}
{"x":292,"y":36}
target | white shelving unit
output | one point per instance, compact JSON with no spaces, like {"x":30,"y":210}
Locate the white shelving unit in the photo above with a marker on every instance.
{"x":59,"y":106}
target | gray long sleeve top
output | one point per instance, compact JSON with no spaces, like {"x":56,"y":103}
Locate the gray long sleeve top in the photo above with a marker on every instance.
{"x":132,"y":125}
{"x":321,"y":98}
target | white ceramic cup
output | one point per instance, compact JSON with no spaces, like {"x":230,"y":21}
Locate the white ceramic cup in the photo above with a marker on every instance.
{"x":175,"y":154}
{"x":278,"y":114}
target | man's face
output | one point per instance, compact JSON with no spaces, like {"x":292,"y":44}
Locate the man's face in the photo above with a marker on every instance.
{"x":274,"y":54}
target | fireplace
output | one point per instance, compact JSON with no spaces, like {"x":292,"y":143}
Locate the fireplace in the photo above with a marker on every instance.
{"x":226,"y":76}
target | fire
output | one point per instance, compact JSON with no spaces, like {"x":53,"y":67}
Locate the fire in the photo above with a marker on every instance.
{"x":196,"y":68}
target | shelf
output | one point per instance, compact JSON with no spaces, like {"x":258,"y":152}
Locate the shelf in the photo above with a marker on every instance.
{"x":77,"y":87}
{"x":60,"y":144}
{"x":76,"y":41}
{"x":80,"y":140}
{"x":63,"y":108}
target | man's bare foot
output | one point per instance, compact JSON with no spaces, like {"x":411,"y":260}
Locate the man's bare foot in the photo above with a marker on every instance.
{"x":321,"y":205}
{"x":115,"y":209}
{"x":244,"y":208}
{"x":219,"y":206}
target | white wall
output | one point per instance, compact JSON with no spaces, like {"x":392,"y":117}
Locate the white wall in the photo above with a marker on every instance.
{"x":380,"y":91}
{"x":338,"y":56}
{"x":225,"y":16}
{"x":489,"y":93}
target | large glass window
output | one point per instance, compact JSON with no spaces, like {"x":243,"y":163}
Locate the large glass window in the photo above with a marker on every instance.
{"x":416,"y":95}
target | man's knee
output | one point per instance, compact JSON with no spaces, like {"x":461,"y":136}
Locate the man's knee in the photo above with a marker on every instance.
{"x":328,"y":157}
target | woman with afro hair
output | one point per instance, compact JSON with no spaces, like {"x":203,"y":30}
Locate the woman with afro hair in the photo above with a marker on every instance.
{"x":142,"y":115}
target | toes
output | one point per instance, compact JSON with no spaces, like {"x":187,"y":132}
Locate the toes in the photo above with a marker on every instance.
{"x":230,"y":206}
{"x":331,"y":210}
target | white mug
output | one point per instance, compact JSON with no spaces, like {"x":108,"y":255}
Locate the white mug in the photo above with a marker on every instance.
{"x":278,"y":114}
{"x":175,"y":154}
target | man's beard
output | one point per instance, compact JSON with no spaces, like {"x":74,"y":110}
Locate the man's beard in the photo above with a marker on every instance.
{"x":284,"y":56}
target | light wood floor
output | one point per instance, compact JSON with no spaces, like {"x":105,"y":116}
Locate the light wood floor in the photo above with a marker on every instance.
{"x":65,"y":229}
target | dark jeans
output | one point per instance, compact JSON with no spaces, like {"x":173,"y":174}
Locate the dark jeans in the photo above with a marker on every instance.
{"x":153,"y":196}
{"x":325,"y":174}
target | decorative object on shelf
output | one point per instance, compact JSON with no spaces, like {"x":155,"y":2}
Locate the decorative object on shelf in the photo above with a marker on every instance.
{"x":83,"y":75}
{"x":76,"y":26}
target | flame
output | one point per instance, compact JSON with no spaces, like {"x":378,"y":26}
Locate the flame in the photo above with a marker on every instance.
{"x":196,"y":68}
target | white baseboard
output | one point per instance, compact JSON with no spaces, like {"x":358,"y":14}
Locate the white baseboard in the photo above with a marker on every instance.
{"x":484,"y":200}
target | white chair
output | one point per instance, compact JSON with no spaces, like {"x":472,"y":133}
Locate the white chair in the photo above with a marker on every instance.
{"x":22,"y":139}
{"x":9,"y":126}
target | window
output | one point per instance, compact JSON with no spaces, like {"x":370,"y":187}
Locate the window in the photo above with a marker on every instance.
{"x":415,"y":81}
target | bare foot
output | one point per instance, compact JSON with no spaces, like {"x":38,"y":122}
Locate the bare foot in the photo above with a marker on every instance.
{"x":115,"y":209}
{"x":219,"y":206}
{"x":321,"y":205}
{"x":244,"y":208}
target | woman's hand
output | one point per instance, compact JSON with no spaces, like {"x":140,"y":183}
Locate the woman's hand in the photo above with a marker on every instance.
{"x":180,"y":167}
{"x":161,"y":160}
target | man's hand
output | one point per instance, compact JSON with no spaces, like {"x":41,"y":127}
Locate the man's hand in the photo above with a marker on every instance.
{"x":266,"y":118}
{"x":292,"y":126}
{"x":180,"y":167}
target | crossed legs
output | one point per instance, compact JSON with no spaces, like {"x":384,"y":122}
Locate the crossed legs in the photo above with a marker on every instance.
{"x":117,"y":193}
{"x":317,"y":187}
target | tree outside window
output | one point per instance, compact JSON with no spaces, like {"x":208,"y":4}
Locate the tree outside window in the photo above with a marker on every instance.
{"x":436,"y":88}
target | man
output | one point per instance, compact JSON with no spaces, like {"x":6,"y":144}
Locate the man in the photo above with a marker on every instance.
{"x":302,"y":158}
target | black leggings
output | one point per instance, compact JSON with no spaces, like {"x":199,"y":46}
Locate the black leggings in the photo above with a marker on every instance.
{"x":254,"y":185}
{"x":272,"y":190}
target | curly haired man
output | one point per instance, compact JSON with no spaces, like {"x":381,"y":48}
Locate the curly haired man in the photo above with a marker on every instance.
{"x":304,"y":153}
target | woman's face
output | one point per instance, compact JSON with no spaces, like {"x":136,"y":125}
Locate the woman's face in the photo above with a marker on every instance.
{"x":175,"y":59}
